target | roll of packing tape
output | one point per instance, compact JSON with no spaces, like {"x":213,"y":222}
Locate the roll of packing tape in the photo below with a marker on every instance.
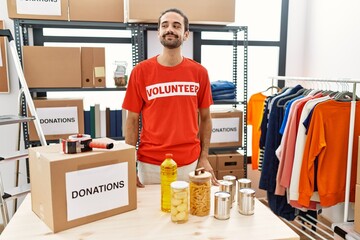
{"x":79,"y":137}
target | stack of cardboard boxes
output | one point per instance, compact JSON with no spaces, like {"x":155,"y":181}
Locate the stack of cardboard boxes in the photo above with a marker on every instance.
{"x":64,"y":67}
{"x":145,"y":11}
{"x":226,"y":138}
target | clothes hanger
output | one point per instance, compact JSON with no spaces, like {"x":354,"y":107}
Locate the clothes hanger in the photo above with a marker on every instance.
{"x":345,"y":96}
{"x":271,"y":88}
{"x":289,"y":97}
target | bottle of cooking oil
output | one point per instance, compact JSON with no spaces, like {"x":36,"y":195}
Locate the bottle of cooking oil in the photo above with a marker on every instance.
{"x":168,"y":174}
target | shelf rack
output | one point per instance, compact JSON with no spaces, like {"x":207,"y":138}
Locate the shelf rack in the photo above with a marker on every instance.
{"x":139,"y":47}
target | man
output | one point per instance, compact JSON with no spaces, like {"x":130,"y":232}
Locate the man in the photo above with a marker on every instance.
{"x":170,"y":92}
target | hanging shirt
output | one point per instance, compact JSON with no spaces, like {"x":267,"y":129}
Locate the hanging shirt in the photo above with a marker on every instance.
{"x":278,"y":204}
{"x":254,"y":117}
{"x":293,"y":190}
{"x":168,"y":99}
{"x":328,"y":142}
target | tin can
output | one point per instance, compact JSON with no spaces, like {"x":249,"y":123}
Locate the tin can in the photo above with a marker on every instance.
{"x":226,"y":186}
{"x":232,"y":179}
{"x":246,"y":201}
{"x":222,"y":204}
{"x":179,"y":201}
{"x":242,"y":183}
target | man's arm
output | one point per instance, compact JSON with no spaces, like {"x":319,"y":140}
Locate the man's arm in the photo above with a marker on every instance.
{"x":132,"y":133}
{"x":132,"y":128}
{"x":205,"y":129}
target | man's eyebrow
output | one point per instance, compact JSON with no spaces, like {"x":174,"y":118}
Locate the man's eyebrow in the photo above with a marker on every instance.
{"x":176,"y":22}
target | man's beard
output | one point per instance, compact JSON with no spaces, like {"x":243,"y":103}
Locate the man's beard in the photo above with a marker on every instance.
{"x":174,"y":43}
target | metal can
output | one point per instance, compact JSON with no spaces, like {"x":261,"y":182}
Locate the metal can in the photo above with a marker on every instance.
{"x":232,"y":179}
{"x":226,"y":186}
{"x":200,"y":189}
{"x":222,"y":204}
{"x":242,"y":183}
{"x":246,"y":201}
{"x":179,"y":202}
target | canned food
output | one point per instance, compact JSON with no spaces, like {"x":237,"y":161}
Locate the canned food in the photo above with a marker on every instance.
{"x":246,"y":201}
{"x":226,"y":186}
{"x":242,"y":183}
{"x":232,"y":179}
{"x":222,"y":204}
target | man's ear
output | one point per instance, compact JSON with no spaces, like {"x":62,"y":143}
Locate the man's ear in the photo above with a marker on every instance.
{"x":186,"y":35}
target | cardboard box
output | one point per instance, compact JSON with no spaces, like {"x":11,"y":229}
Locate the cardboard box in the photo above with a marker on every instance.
{"x":357,"y":209}
{"x":230,"y":161}
{"x":4,"y":75}
{"x":68,"y":190}
{"x":52,"y":67}
{"x":96,"y":11}
{"x":213,"y":161}
{"x":59,"y":118}
{"x":199,"y":11}
{"x":358,"y":165}
{"x":47,"y":10}
{"x":237,"y":173}
{"x":227,"y":128}
{"x":93,"y":67}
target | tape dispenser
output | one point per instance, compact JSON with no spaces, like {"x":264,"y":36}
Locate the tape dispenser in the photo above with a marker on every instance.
{"x":82,"y":143}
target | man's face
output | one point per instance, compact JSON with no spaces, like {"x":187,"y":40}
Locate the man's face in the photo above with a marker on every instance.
{"x":171,"y":31}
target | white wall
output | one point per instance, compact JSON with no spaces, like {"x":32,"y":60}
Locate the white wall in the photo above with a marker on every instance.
{"x":323,"y":41}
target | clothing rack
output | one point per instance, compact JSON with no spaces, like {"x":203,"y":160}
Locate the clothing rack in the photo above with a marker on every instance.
{"x":351,"y":125}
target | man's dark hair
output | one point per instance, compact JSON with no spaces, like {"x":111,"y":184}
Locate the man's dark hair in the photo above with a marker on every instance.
{"x":175,"y":10}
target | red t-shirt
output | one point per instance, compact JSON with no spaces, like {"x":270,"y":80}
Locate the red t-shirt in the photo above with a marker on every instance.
{"x":168,"y":99}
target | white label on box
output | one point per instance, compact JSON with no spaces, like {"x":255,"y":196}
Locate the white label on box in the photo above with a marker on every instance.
{"x":49,"y":7}
{"x":95,"y":190}
{"x":58,"y":120}
{"x":225,"y":130}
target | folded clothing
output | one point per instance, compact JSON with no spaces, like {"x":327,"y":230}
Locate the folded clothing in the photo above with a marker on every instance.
{"x":221,"y":92}
{"x":221,"y":85}
{"x":224,"y":96}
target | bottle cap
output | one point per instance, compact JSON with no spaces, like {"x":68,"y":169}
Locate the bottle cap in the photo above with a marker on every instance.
{"x":168,"y":155}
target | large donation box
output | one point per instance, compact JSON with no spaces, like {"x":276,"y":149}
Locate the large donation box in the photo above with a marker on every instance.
{"x":69,"y":190}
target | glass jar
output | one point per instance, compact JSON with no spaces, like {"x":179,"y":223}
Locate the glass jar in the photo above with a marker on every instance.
{"x":179,"y":201}
{"x":200,"y":188}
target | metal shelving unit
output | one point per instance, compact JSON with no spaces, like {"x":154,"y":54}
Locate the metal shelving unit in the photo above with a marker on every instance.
{"x":139,"y":48}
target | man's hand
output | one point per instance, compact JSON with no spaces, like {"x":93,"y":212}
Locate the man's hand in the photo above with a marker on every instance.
{"x":204,"y":162}
{"x":138,"y":183}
